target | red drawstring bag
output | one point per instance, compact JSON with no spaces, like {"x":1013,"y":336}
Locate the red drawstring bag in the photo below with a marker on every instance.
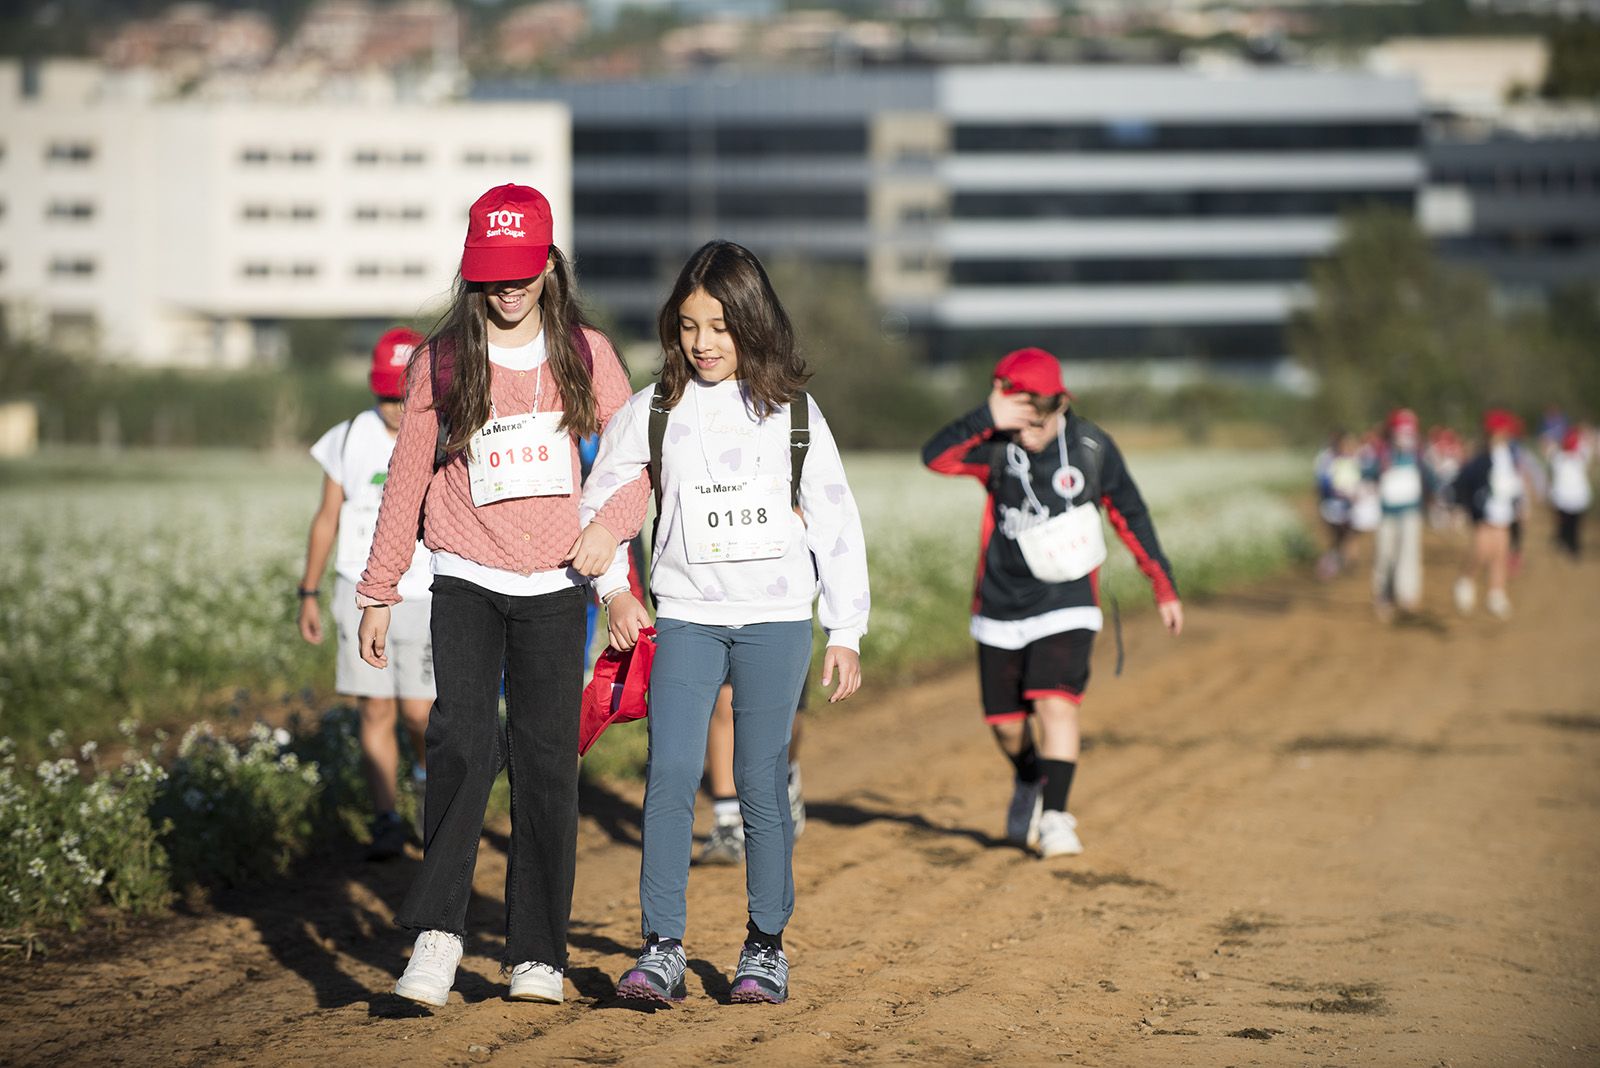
{"x":619,"y":690}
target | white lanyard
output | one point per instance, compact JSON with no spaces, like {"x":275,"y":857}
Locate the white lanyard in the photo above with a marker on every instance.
{"x":1018,"y":464}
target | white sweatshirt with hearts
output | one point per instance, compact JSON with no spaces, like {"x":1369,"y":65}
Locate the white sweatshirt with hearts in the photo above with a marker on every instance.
{"x":713,"y":437}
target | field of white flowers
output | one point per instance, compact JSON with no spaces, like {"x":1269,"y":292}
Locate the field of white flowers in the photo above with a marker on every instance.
{"x":153,"y":587}
{"x":142,"y":591}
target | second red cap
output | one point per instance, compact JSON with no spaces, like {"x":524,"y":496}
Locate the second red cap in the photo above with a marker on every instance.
{"x":509,"y":233}
{"x":389,"y":359}
{"x":1031,"y":371}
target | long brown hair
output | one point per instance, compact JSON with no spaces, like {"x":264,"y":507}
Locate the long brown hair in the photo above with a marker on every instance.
{"x":770,"y":364}
{"x":461,"y":339}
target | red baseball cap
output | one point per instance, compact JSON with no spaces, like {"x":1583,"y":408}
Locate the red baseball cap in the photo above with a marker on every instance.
{"x":1403,"y":417}
{"x":389,"y":359}
{"x":508,"y":235}
{"x":1031,"y":371}
{"x":1500,"y":421}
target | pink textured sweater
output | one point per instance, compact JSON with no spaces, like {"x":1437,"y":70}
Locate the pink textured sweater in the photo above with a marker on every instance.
{"x":526,"y":534}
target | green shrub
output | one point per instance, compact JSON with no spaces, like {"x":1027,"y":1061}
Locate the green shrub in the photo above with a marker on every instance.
{"x":233,"y":815}
{"x":78,"y":835}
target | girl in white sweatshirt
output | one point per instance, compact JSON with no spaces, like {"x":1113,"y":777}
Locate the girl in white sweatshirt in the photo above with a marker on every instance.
{"x":755,"y":517}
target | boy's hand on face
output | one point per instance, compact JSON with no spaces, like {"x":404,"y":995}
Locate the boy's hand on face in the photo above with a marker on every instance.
{"x":1010,"y":411}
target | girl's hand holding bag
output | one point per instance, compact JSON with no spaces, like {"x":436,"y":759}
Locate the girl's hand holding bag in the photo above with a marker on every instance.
{"x":619,"y":690}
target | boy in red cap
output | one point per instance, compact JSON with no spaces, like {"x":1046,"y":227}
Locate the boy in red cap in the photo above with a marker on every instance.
{"x":1035,"y":612}
{"x":355,"y":460}
{"x":1491,"y":489}
{"x":1403,"y":482}
{"x":1570,"y":492}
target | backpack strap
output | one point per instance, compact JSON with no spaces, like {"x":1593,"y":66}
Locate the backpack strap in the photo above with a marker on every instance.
{"x":659,"y":412}
{"x":799,"y":443}
{"x":441,"y":368}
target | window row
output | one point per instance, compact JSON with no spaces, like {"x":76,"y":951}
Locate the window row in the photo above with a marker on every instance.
{"x":305,"y":156}
{"x":306,"y":212}
{"x":1216,"y":341}
{"x":1051,"y":204}
{"x":744,"y":205}
{"x":303,"y":269}
{"x":1527,"y":179}
{"x":729,"y":140}
{"x":1139,"y":136}
{"x":1155,"y":271}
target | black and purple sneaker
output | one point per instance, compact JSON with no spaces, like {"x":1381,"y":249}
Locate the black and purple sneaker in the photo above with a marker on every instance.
{"x":762,"y":975}
{"x":657,"y":975}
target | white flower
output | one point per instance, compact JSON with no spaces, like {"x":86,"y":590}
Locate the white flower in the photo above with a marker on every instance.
{"x":193,"y":799}
{"x":282,"y":737}
{"x":56,"y":738}
{"x":88,"y":750}
{"x":36,"y":868}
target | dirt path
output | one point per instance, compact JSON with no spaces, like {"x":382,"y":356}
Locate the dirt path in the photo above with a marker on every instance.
{"x":1311,"y":840}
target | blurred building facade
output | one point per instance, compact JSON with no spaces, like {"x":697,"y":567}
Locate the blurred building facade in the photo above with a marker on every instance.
{"x":1103,"y":212}
{"x":189,"y":232}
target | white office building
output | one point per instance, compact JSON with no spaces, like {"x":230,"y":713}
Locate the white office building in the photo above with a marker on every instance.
{"x":1105,"y":212}
{"x":168,"y":231}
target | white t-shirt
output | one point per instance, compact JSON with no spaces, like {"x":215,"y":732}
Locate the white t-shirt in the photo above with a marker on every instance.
{"x":1569,"y":480}
{"x":513,"y":583}
{"x":355,"y":454}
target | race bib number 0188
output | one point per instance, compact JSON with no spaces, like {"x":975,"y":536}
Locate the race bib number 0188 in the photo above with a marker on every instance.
{"x":520,"y":456}
{"x":725,"y":521}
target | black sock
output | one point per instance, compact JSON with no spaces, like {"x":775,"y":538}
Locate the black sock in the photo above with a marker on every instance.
{"x":755,"y":936}
{"x":1027,"y":761}
{"x":656,"y":939}
{"x":1057,"y":783}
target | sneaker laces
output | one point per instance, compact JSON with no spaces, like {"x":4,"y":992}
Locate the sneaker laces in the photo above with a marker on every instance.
{"x":432,"y":948}
{"x":525,"y":967}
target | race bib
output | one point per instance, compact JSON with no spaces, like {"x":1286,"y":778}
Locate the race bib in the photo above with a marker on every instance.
{"x":520,"y":456}
{"x":1065,"y":547}
{"x":725,"y":521}
{"x":1400,"y":486}
{"x":357,"y":523}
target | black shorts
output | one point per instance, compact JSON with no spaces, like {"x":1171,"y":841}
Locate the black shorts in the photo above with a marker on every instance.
{"x":1056,"y":665}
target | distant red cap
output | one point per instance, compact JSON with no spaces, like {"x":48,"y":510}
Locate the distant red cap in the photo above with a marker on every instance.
{"x":508,"y":235}
{"x":1571,"y":440}
{"x":1031,"y":371}
{"x":1500,"y":421}
{"x":389,"y":359}
{"x":1403,"y":418}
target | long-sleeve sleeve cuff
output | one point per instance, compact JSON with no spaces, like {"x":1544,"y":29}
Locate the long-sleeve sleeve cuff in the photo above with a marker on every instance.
{"x":847,"y":638}
{"x":363,"y":601}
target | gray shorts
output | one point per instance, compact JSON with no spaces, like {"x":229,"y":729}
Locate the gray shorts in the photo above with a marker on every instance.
{"x":409,"y":646}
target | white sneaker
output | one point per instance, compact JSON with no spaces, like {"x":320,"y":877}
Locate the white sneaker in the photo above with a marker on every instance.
{"x":432,"y":971}
{"x":1466,"y":596}
{"x":1022,"y":817}
{"x":532,"y":981}
{"x":1058,"y":835}
{"x":1498,"y":604}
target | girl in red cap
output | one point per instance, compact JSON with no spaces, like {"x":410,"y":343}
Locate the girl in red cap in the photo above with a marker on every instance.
{"x":1491,"y":489}
{"x":755,"y":519}
{"x":487,"y":458}
{"x":1570,"y":492}
{"x":1403,"y":482}
{"x":1049,"y":472}
{"x":355,"y":460}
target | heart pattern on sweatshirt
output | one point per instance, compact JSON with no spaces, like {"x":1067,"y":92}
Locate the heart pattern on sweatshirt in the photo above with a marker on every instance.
{"x":732,"y":459}
{"x":840,"y":547}
{"x":677,"y":432}
{"x":607,"y":480}
{"x":712,"y":593}
{"x":779,"y":588}
{"x":862,"y":603}
{"x":835,"y":492}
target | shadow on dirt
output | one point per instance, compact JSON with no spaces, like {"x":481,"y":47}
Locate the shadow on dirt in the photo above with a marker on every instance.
{"x":845,"y":814}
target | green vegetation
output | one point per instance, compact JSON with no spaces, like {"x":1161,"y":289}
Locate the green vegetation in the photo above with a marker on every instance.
{"x":1390,"y":324}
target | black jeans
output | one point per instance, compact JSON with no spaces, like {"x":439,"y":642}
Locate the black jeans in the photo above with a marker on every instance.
{"x":1569,"y":527}
{"x":540,"y":642}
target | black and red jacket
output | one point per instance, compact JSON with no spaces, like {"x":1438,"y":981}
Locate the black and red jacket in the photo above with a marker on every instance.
{"x":1006,"y":589}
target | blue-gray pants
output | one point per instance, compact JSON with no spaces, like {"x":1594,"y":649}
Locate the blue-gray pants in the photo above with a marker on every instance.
{"x":766,"y":662}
